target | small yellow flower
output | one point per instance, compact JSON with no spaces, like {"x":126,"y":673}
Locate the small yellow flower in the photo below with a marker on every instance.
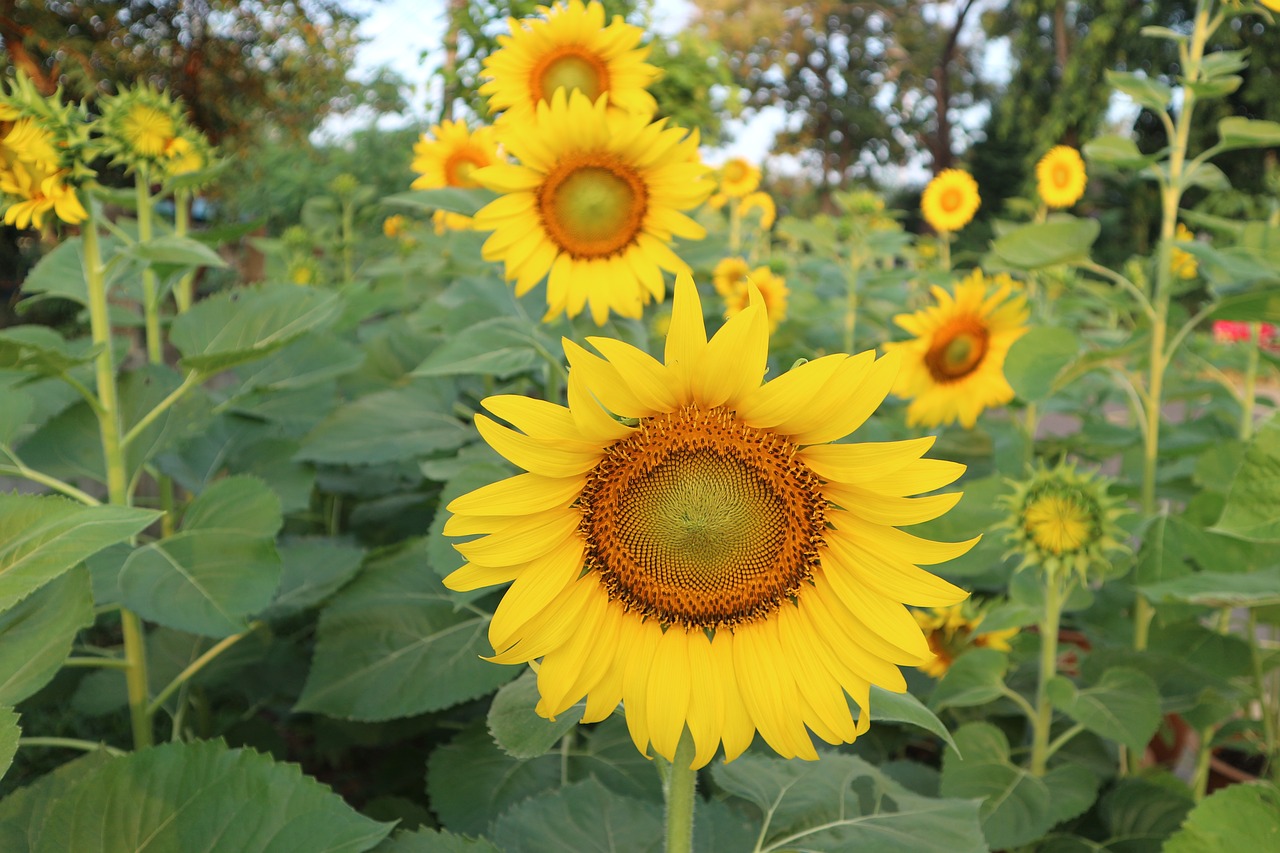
{"x":1183,"y":264}
{"x":773,"y":292}
{"x":393,"y":226}
{"x":763,"y":202}
{"x":729,"y":275}
{"x":953,"y":630}
{"x":443,"y":221}
{"x":182,"y":157}
{"x":1060,"y":176}
{"x":738,"y":177}
{"x":950,"y":200}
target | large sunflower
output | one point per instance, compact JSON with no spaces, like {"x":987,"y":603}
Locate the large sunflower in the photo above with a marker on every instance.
{"x":594,"y":202}
{"x":950,"y":200}
{"x":1060,"y":176}
{"x":688,"y":542}
{"x":571,"y":50}
{"x":954,"y":367}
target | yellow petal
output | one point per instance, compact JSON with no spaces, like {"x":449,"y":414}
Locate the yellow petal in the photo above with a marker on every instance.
{"x":552,"y":628}
{"x":605,"y":697}
{"x":739,"y":729}
{"x":914,"y":549}
{"x":669,"y":705}
{"x":522,"y":541}
{"x":888,"y":574}
{"x":523,"y":494}
{"x":606,"y":383}
{"x":539,"y":583}
{"x":686,"y":338}
{"x":864,"y":400}
{"x":640,"y":640}
{"x":865,"y":462}
{"x":888,"y":629}
{"x":856,"y":653}
{"x":593,"y":422}
{"x":787,"y":396}
{"x":647,"y":378}
{"x":535,"y":418}
{"x":735,"y":360}
{"x":562,"y":667}
{"x":820,"y":690}
{"x":769,"y":690}
{"x":834,"y":397}
{"x":706,"y":702}
{"x":471,"y":576}
{"x":549,"y":457}
{"x":884,"y":509}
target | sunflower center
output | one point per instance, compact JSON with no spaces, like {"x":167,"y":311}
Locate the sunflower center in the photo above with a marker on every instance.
{"x":735,"y":171}
{"x":593,"y":206}
{"x":569,"y":69}
{"x":951,"y":199}
{"x":958,"y":349}
{"x":700,"y":520}
{"x":459,"y":166}
{"x":1058,"y":524}
{"x":1061,"y":175}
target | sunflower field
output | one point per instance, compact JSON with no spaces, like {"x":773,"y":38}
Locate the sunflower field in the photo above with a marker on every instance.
{"x":602,"y":501}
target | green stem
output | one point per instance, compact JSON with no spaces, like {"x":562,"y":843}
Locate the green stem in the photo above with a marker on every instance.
{"x":680,"y":789}
{"x":1265,"y":702}
{"x":20,"y":470}
{"x":192,"y":379}
{"x":197,"y":665}
{"x":183,"y":291}
{"x":348,"y":240}
{"x":71,"y":743}
{"x":1053,"y":600}
{"x":944,"y":250}
{"x":1061,"y":740}
{"x":1030,"y":419}
{"x":150,"y":302}
{"x":117,"y":475}
{"x":105,"y":663}
{"x":1200,"y":778}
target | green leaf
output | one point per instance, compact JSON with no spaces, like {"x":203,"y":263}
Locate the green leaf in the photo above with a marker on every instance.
{"x":16,"y":408}
{"x":1220,"y":589}
{"x":24,"y":813}
{"x":174,"y":250}
{"x":1218,"y":87}
{"x":248,"y":323}
{"x":393,"y":644}
{"x":1037,"y":358}
{"x":1015,"y":808}
{"x":1259,"y":306}
{"x":434,"y":841}
{"x":517,"y":728}
{"x":1138,"y":810}
{"x":9,"y":734}
{"x":402,"y":423}
{"x":37,"y":633}
{"x":1219,"y":62}
{"x":1146,"y":91}
{"x":585,"y":817}
{"x":310,"y":359}
{"x":1163,"y":33}
{"x":217,"y":569}
{"x":42,"y":537}
{"x":311,"y":571}
{"x":1046,"y":244}
{"x":905,"y":708}
{"x":452,"y":199}
{"x":975,"y":678}
{"x":42,"y":350}
{"x":1235,"y":818}
{"x":1072,"y":790}
{"x":1252,"y":511}
{"x":197,"y":799}
{"x":501,"y":347}
{"x":1123,"y":706}
{"x":1119,"y":151}
{"x":1236,"y":132}
{"x":1207,"y":176}
{"x":842,"y":803}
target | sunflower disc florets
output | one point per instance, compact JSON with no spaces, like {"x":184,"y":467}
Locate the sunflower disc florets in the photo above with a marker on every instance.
{"x":1063,"y":520}
{"x":143,"y":127}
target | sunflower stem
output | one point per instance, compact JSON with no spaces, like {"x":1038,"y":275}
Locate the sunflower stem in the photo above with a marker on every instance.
{"x":1054,"y":596}
{"x":944,"y":250}
{"x":682,"y":782}
{"x":183,"y":291}
{"x":150,"y":302}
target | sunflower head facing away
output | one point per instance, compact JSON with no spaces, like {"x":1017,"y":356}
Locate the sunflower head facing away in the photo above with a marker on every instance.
{"x":953,"y":630}
{"x":954,"y":366}
{"x":1060,"y":176}
{"x":570,"y":50}
{"x":689,"y":542}
{"x":592,"y":205}
{"x":950,"y":200}
{"x":1063,"y":521}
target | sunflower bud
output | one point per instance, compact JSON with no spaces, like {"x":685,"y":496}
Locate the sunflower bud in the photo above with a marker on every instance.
{"x":1063,"y":520}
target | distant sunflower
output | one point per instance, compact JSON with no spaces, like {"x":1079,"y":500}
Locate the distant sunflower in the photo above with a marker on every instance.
{"x":689,"y":543}
{"x":951,"y":631}
{"x":729,"y":275}
{"x":1183,"y":264}
{"x":950,"y":200}
{"x":1063,"y":520}
{"x":773,"y":294}
{"x":738,"y":177}
{"x":447,"y":156}
{"x":1060,"y":176}
{"x":592,"y":205}
{"x":571,"y":50}
{"x":954,"y":367}
{"x":33,"y":192}
{"x":763,"y":202}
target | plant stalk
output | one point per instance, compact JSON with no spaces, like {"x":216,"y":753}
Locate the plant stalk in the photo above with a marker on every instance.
{"x":1054,"y":596}
{"x":183,"y":291}
{"x":681,"y":787}
{"x":150,"y":301}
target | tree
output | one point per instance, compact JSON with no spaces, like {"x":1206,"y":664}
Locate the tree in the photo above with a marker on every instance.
{"x":236,"y":64}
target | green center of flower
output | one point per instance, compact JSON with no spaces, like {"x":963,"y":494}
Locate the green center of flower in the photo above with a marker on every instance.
{"x":699,"y":520}
{"x":593,"y":206}
{"x":957,"y":349}
{"x":571,"y":70}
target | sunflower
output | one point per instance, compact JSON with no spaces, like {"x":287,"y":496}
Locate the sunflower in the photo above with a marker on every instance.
{"x":1063,"y":520}
{"x":32,"y":192}
{"x":773,"y":294}
{"x":1060,"y":176}
{"x":449,"y":153}
{"x":1182,"y":263}
{"x":729,"y":275}
{"x":763,"y":202}
{"x":953,"y":630}
{"x":1273,"y":5}
{"x":950,"y":200}
{"x":139,"y":127}
{"x":688,"y":542}
{"x":738,"y":178}
{"x":954,"y":367}
{"x":571,"y":50}
{"x":594,"y":202}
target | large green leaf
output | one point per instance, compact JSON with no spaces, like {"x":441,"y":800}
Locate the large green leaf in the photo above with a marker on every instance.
{"x":204,"y":798}
{"x":9,"y":733}
{"x":452,"y":199}
{"x":517,"y":728}
{"x":585,"y":817}
{"x":1236,"y":132}
{"x":36,"y":634}
{"x":1236,"y":818}
{"x":402,"y":423}
{"x":1257,"y":306}
{"x":1036,"y":359}
{"x":312,"y":570}
{"x":1220,"y":589}
{"x":310,"y":359}
{"x":24,"y":813}
{"x":975,"y":678}
{"x":1045,"y":244}
{"x":905,"y":708}
{"x":217,"y":569}
{"x":1146,"y":91}
{"x":245,"y":324}
{"x":42,"y":350}
{"x":434,"y":841}
{"x":393,"y":644}
{"x":502,"y":346}
{"x":1119,"y":151}
{"x":842,"y":803}
{"x":174,"y":250}
{"x":42,"y":537}
{"x":1252,"y":510}
{"x":1123,"y":706}
{"x":1141,"y":814}
{"x":1015,"y":805}
{"x":1072,"y":790}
